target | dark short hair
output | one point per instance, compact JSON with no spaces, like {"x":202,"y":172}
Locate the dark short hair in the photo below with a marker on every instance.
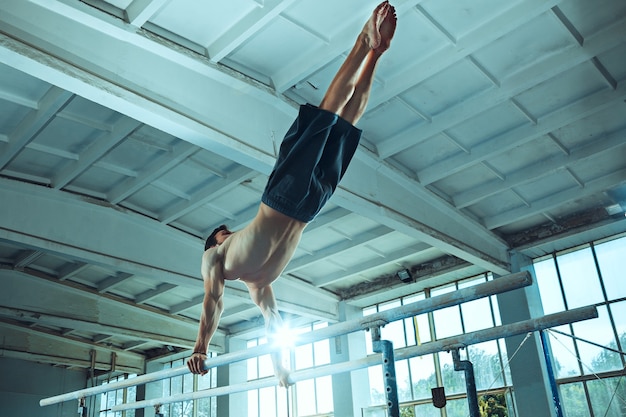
{"x":211,"y":241}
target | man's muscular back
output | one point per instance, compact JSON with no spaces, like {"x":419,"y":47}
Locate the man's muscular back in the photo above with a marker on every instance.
{"x":258,"y":253}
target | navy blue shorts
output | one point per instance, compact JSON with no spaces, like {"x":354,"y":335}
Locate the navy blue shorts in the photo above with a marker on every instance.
{"x":313,"y":157}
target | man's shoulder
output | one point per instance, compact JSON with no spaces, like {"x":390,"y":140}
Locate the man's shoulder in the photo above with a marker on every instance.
{"x":209,"y":254}
{"x":211,"y":258}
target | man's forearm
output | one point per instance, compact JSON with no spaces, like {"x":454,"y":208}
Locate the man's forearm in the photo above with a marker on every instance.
{"x":203,"y":340}
{"x":212,"y":310}
{"x":208,"y":326}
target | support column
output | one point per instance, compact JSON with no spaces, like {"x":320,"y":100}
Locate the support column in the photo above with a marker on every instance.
{"x":531,"y":386}
{"x":385,"y":348}
{"x":351,"y":391}
{"x":141,"y":395}
{"x":234,"y":404}
{"x":153,"y":389}
{"x":470,"y":382}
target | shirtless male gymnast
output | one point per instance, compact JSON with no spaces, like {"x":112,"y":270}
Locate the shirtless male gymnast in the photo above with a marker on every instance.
{"x":313,"y":157}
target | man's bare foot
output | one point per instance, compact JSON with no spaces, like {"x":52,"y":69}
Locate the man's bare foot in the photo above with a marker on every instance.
{"x":387,"y":29}
{"x":371,"y":30}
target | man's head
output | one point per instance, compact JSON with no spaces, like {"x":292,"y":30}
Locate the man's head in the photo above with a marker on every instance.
{"x":214,"y":239}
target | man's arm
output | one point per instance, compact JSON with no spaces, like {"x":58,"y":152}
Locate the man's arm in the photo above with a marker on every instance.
{"x":264,"y":298}
{"x":212,"y":310}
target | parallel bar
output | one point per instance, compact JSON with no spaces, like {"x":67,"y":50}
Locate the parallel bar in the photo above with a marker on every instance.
{"x":522,"y":327}
{"x":496,"y":286}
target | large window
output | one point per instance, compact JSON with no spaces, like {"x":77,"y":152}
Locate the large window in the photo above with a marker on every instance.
{"x":271,"y":401}
{"x":313,"y":397}
{"x":417,"y":376}
{"x":204,"y":407}
{"x":589,"y":356}
{"x":120,"y":396}
{"x":588,"y":359}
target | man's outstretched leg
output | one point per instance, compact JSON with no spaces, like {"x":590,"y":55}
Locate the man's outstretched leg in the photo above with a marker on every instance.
{"x":354,"y":109}
{"x":349,"y":91}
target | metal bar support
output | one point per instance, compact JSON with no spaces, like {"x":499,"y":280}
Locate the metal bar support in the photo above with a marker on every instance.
{"x":547,"y":352}
{"x":385,"y":348}
{"x":470,"y":381}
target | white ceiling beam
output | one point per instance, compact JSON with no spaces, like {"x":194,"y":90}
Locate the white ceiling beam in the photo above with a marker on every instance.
{"x":94,"y":152}
{"x":27,"y":258}
{"x":26,"y":102}
{"x":517,"y":15}
{"x":555,"y":64}
{"x":557,"y":199}
{"x":318,"y":305}
{"x":176,"y":105}
{"x":541,"y":168}
{"x":248,"y":141}
{"x":327,"y":218}
{"x":112,"y":302}
{"x":44,"y":319}
{"x":73,"y":341}
{"x":32,"y":215}
{"x":134,"y":345}
{"x":139,"y":12}
{"x":496,"y":260}
{"x":497,"y":145}
{"x":111,"y":282}
{"x":212,"y":191}
{"x":326,"y":52}
{"x":48,"y":347}
{"x":148,"y":295}
{"x":394,"y":257}
{"x":73,"y":269}
{"x":567,"y":24}
{"x":245,"y":28}
{"x":302,"y":287}
{"x":50,"y":104}
{"x":154,"y":170}
{"x":328,"y":251}
{"x":239,"y":309}
{"x":415,"y":211}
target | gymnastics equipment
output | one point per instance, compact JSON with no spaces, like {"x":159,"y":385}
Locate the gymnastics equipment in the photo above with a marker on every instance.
{"x":447,"y":344}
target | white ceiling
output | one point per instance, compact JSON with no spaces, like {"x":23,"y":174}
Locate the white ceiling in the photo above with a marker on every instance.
{"x":130,"y":129}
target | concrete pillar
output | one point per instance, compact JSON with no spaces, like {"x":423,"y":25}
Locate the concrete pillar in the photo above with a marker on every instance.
{"x":141,"y":395}
{"x":153,"y":389}
{"x":350,"y":390}
{"x":234,"y":404}
{"x":531,"y":386}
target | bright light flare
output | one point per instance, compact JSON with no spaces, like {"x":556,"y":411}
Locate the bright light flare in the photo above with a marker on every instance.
{"x":284,"y":337}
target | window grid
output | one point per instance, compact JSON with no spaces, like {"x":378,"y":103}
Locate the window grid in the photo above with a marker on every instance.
{"x":606,"y":300}
{"x":111,"y":398}
{"x":441,"y":364}
{"x":600,"y":391}
{"x":286,"y":402}
{"x":204,"y":407}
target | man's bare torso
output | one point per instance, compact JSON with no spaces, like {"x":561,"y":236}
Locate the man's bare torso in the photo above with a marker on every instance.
{"x":258,"y":253}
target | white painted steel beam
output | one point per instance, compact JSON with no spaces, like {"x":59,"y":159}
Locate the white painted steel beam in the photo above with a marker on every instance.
{"x":245,"y":125}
